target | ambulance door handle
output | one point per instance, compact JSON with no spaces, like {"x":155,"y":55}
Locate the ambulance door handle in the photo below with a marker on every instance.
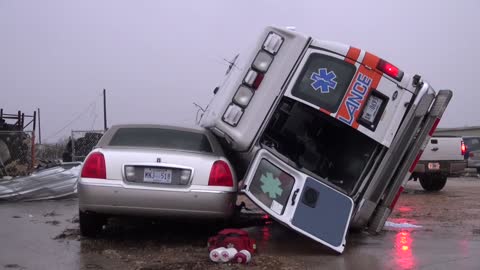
{"x":435,"y":149}
{"x":295,"y":196}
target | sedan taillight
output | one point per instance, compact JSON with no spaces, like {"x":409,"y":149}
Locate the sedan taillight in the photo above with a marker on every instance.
{"x":220,"y":175}
{"x":94,"y":167}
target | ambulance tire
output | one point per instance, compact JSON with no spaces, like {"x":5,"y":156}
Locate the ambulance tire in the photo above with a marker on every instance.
{"x":90,"y":223}
{"x":433,"y":182}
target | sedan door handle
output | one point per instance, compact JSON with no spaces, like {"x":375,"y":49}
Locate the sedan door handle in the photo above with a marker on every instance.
{"x":295,"y":196}
{"x":435,"y":149}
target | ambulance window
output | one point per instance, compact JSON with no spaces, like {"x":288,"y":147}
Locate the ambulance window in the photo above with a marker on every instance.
{"x":319,"y":145}
{"x":324,"y":81}
{"x":272,"y":186}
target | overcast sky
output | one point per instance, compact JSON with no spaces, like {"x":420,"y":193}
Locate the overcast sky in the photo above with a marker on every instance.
{"x":157,"y":57}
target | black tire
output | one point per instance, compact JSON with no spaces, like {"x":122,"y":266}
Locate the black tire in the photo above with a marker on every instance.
{"x":90,"y":224}
{"x":433,"y":182}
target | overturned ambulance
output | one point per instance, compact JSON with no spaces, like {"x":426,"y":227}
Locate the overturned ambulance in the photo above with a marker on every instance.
{"x":325,"y":135}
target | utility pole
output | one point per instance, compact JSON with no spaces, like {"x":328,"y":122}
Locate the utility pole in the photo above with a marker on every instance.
{"x":39,"y":128}
{"x":104,"y":109}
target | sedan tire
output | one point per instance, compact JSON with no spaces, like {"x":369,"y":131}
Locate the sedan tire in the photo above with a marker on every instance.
{"x":90,"y":224}
{"x":433,"y":182}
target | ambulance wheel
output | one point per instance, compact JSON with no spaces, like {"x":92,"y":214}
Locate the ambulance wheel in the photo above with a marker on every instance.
{"x":433,"y":182}
{"x":90,"y":223}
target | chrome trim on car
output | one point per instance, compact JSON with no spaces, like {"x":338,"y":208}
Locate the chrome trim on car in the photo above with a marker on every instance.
{"x":173,"y":188}
{"x":165,"y":165}
{"x":212,"y":191}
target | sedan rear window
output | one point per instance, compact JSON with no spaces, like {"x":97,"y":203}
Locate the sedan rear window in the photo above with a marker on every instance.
{"x":161,"y":138}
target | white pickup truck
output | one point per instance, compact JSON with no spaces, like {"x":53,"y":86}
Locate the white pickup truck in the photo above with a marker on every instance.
{"x":443,"y":157}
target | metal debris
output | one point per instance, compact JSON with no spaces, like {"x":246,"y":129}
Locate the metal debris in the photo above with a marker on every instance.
{"x":52,"y":183}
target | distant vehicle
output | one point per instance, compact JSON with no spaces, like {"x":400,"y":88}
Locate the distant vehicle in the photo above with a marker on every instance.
{"x":443,"y":157}
{"x":153,"y":170}
{"x":323,"y":134}
{"x":473,"y":152}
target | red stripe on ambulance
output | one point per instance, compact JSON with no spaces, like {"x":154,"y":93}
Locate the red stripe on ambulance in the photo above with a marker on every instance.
{"x":352,"y":55}
{"x":364,"y":81}
{"x":325,"y":111}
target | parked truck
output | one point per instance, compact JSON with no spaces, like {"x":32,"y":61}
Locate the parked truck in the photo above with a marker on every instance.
{"x":443,"y":157}
{"x":325,"y":135}
{"x":472,"y":152}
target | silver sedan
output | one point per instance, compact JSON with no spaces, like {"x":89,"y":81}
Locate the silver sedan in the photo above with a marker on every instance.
{"x":153,"y":170}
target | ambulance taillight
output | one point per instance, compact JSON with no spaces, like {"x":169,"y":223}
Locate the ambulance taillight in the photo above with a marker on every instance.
{"x":390,"y":70}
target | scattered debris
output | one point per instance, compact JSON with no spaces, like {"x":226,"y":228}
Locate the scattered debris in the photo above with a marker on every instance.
{"x":51,"y":214}
{"x":93,"y":266}
{"x":75,"y":219}
{"x":13,"y":266}
{"x":111,"y":253}
{"x":70,"y":234}
{"x":53,"y":222}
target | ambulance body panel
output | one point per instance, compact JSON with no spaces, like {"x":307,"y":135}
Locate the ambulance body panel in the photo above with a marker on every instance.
{"x":325,"y":134}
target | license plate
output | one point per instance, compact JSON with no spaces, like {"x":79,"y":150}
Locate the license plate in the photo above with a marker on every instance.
{"x":434,"y":166}
{"x":371,"y":109}
{"x":159,"y":176}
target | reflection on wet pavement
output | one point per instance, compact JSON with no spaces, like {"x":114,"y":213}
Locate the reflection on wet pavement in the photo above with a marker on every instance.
{"x":404,"y":257}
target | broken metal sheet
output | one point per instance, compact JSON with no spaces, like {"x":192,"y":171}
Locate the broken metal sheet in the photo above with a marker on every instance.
{"x":47,"y":184}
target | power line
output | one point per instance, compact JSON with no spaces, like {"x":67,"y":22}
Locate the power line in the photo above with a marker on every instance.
{"x":92,"y":104}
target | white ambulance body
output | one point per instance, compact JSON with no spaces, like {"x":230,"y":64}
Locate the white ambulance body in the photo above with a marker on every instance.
{"x":325,"y":134}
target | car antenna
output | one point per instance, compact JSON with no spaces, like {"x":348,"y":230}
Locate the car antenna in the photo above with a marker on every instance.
{"x":199,"y":109}
{"x":231,"y":63}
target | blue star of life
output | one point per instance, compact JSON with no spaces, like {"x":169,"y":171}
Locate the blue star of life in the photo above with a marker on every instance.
{"x":323,"y":80}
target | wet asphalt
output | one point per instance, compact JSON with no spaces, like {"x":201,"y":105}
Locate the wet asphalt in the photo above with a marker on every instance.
{"x":45,"y":235}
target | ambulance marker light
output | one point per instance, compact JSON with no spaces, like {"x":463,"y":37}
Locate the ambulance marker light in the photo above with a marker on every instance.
{"x":233,"y":114}
{"x":258,"y":81}
{"x":463,"y":148}
{"x":250,"y":77}
{"x":262,"y":61}
{"x":272,"y":43}
{"x":390,"y":70}
{"x":243,"y":96}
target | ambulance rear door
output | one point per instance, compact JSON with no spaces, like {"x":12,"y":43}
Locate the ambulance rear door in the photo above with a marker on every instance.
{"x":297,"y":200}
